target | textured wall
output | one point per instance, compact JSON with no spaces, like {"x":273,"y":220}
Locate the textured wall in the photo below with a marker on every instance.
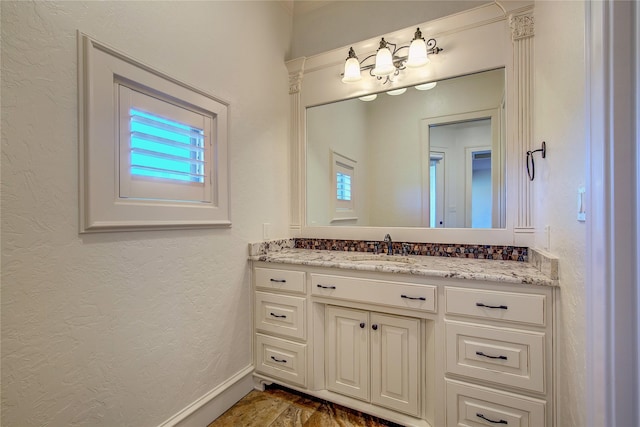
{"x":129,"y":328}
{"x":560,"y":121}
{"x":338,"y":23}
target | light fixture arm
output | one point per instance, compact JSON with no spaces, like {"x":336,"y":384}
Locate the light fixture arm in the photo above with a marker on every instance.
{"x":432,"y":48}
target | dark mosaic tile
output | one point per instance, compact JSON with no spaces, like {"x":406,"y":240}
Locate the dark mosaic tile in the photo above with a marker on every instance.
{"x":496,"y":252}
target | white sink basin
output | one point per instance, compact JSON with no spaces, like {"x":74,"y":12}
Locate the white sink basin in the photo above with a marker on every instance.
{"x":381,"y":259}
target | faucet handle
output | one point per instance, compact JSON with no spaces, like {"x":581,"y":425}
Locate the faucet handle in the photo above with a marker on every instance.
{"x":406,"y":248}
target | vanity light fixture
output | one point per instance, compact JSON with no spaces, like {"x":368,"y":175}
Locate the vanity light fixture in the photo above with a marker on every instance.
{"x":388,"y":63}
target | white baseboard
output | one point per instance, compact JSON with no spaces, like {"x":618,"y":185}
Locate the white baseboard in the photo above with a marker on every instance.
{"x":213,"y":404}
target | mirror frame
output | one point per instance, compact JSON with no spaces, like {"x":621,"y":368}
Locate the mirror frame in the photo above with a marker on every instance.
{"x":494,"y":35}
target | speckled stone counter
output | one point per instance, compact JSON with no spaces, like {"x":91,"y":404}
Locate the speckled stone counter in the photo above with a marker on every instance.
{"x":459,"y":268}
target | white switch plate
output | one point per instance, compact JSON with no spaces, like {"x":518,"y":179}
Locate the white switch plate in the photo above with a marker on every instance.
{"x":266,"y":230}
{"x":582,"y":213}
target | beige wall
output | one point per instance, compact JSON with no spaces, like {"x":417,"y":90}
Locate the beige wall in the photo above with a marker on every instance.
{"x":129,"y":328}
{"x":560,"y":121}
{"x":324,"y":25}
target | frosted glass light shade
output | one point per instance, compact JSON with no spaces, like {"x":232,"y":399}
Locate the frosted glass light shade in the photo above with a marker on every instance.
{"x":351,"y":71}
{"x":384,"y":63}
{"x":397,"y":91}
{"x":368,"y":98}
{"x":426,"y":86}
{"x":417,"y":54}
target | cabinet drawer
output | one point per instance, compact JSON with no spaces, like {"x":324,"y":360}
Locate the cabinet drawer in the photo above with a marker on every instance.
{"x":281,"y":359}
{"x":280,"y":280}
{"x":496,"y":305}
{"x":417,"y":297}
{"x":469,"y":405}
{"x":503,"y":356}
{"x":280,"y":314}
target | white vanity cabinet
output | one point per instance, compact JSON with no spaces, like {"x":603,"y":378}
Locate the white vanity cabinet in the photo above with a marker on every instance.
{"x":373,"y":357}
{"x":280,"y":321}
{"x":499,"y":368}
{"x":416,"y":350}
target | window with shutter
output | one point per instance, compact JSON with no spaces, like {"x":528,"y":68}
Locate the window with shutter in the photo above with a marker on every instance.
{"x":165,"y":149}
{"x":153,"y":152}
{"x":342,"y":202}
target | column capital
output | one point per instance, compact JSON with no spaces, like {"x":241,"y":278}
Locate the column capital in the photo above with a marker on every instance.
{"x":522,"y":25}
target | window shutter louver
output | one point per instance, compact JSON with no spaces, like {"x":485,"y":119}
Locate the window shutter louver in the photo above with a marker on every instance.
{"x":164,"y":149}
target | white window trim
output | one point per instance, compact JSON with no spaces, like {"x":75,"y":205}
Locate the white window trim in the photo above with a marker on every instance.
{"x":101,"y":208}
{"x":343,"y":210}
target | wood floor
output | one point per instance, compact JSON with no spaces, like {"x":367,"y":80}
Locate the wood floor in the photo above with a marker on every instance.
{"x":280,"y":407}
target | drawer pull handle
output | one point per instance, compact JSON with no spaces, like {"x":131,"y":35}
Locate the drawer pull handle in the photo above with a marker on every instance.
{"x":326,"y":286}
{"x":408,"y":297}
{"x":374,"y":327}
{"x":362,"y":325}
{"x":278,"y":360}
{"x":479,"y":415}
{"x":479,"y":353}
{"x":278,"y":280}
{"x":502,"y":307}
{"x":281,"y":316}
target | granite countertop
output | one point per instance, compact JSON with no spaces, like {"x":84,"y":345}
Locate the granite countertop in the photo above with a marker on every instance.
{"x":513,"y":272}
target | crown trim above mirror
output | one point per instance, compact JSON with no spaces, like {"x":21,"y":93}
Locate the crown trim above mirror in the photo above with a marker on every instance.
{"x":484,"y":38}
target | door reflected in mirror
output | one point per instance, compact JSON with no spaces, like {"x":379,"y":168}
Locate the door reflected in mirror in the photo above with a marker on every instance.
{"x":462,"y":177}
{"x":426,"y":158}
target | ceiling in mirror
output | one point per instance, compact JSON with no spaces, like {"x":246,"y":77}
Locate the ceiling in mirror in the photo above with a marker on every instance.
{"x":428,"y":156}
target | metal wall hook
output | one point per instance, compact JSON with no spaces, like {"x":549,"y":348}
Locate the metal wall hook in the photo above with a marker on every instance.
{"x":531,"y":170}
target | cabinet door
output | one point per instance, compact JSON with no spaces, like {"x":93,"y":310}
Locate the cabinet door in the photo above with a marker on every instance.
{"x":347,"y":347}
{"x":395,"y":362}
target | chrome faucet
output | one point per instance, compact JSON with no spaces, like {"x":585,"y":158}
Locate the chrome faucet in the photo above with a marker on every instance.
{"x":387,"y":240}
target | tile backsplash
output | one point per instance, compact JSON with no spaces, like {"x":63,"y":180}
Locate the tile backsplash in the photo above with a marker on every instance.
{"x":497,"y":252}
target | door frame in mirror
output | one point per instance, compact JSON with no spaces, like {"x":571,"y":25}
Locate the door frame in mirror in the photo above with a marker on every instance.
{"x":497,"y":178}
{"x":487,"y":37}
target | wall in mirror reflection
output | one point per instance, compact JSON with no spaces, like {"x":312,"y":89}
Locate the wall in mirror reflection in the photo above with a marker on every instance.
{"x":424,"y":158}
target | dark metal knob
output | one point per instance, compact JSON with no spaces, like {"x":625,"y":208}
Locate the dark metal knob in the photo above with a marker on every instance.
{"x":375,"y":327}
{"x":362,"y":325}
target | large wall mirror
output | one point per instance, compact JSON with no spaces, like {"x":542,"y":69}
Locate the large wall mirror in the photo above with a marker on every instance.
{"x":431,"y":164}
{"x":430,"y":155}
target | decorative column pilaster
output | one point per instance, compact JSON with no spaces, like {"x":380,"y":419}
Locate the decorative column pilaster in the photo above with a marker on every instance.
{"x":296,"y":71}
{"x":522,"y":32}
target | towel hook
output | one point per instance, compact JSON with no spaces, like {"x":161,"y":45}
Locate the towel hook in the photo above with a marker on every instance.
{"x":531,"y":170}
